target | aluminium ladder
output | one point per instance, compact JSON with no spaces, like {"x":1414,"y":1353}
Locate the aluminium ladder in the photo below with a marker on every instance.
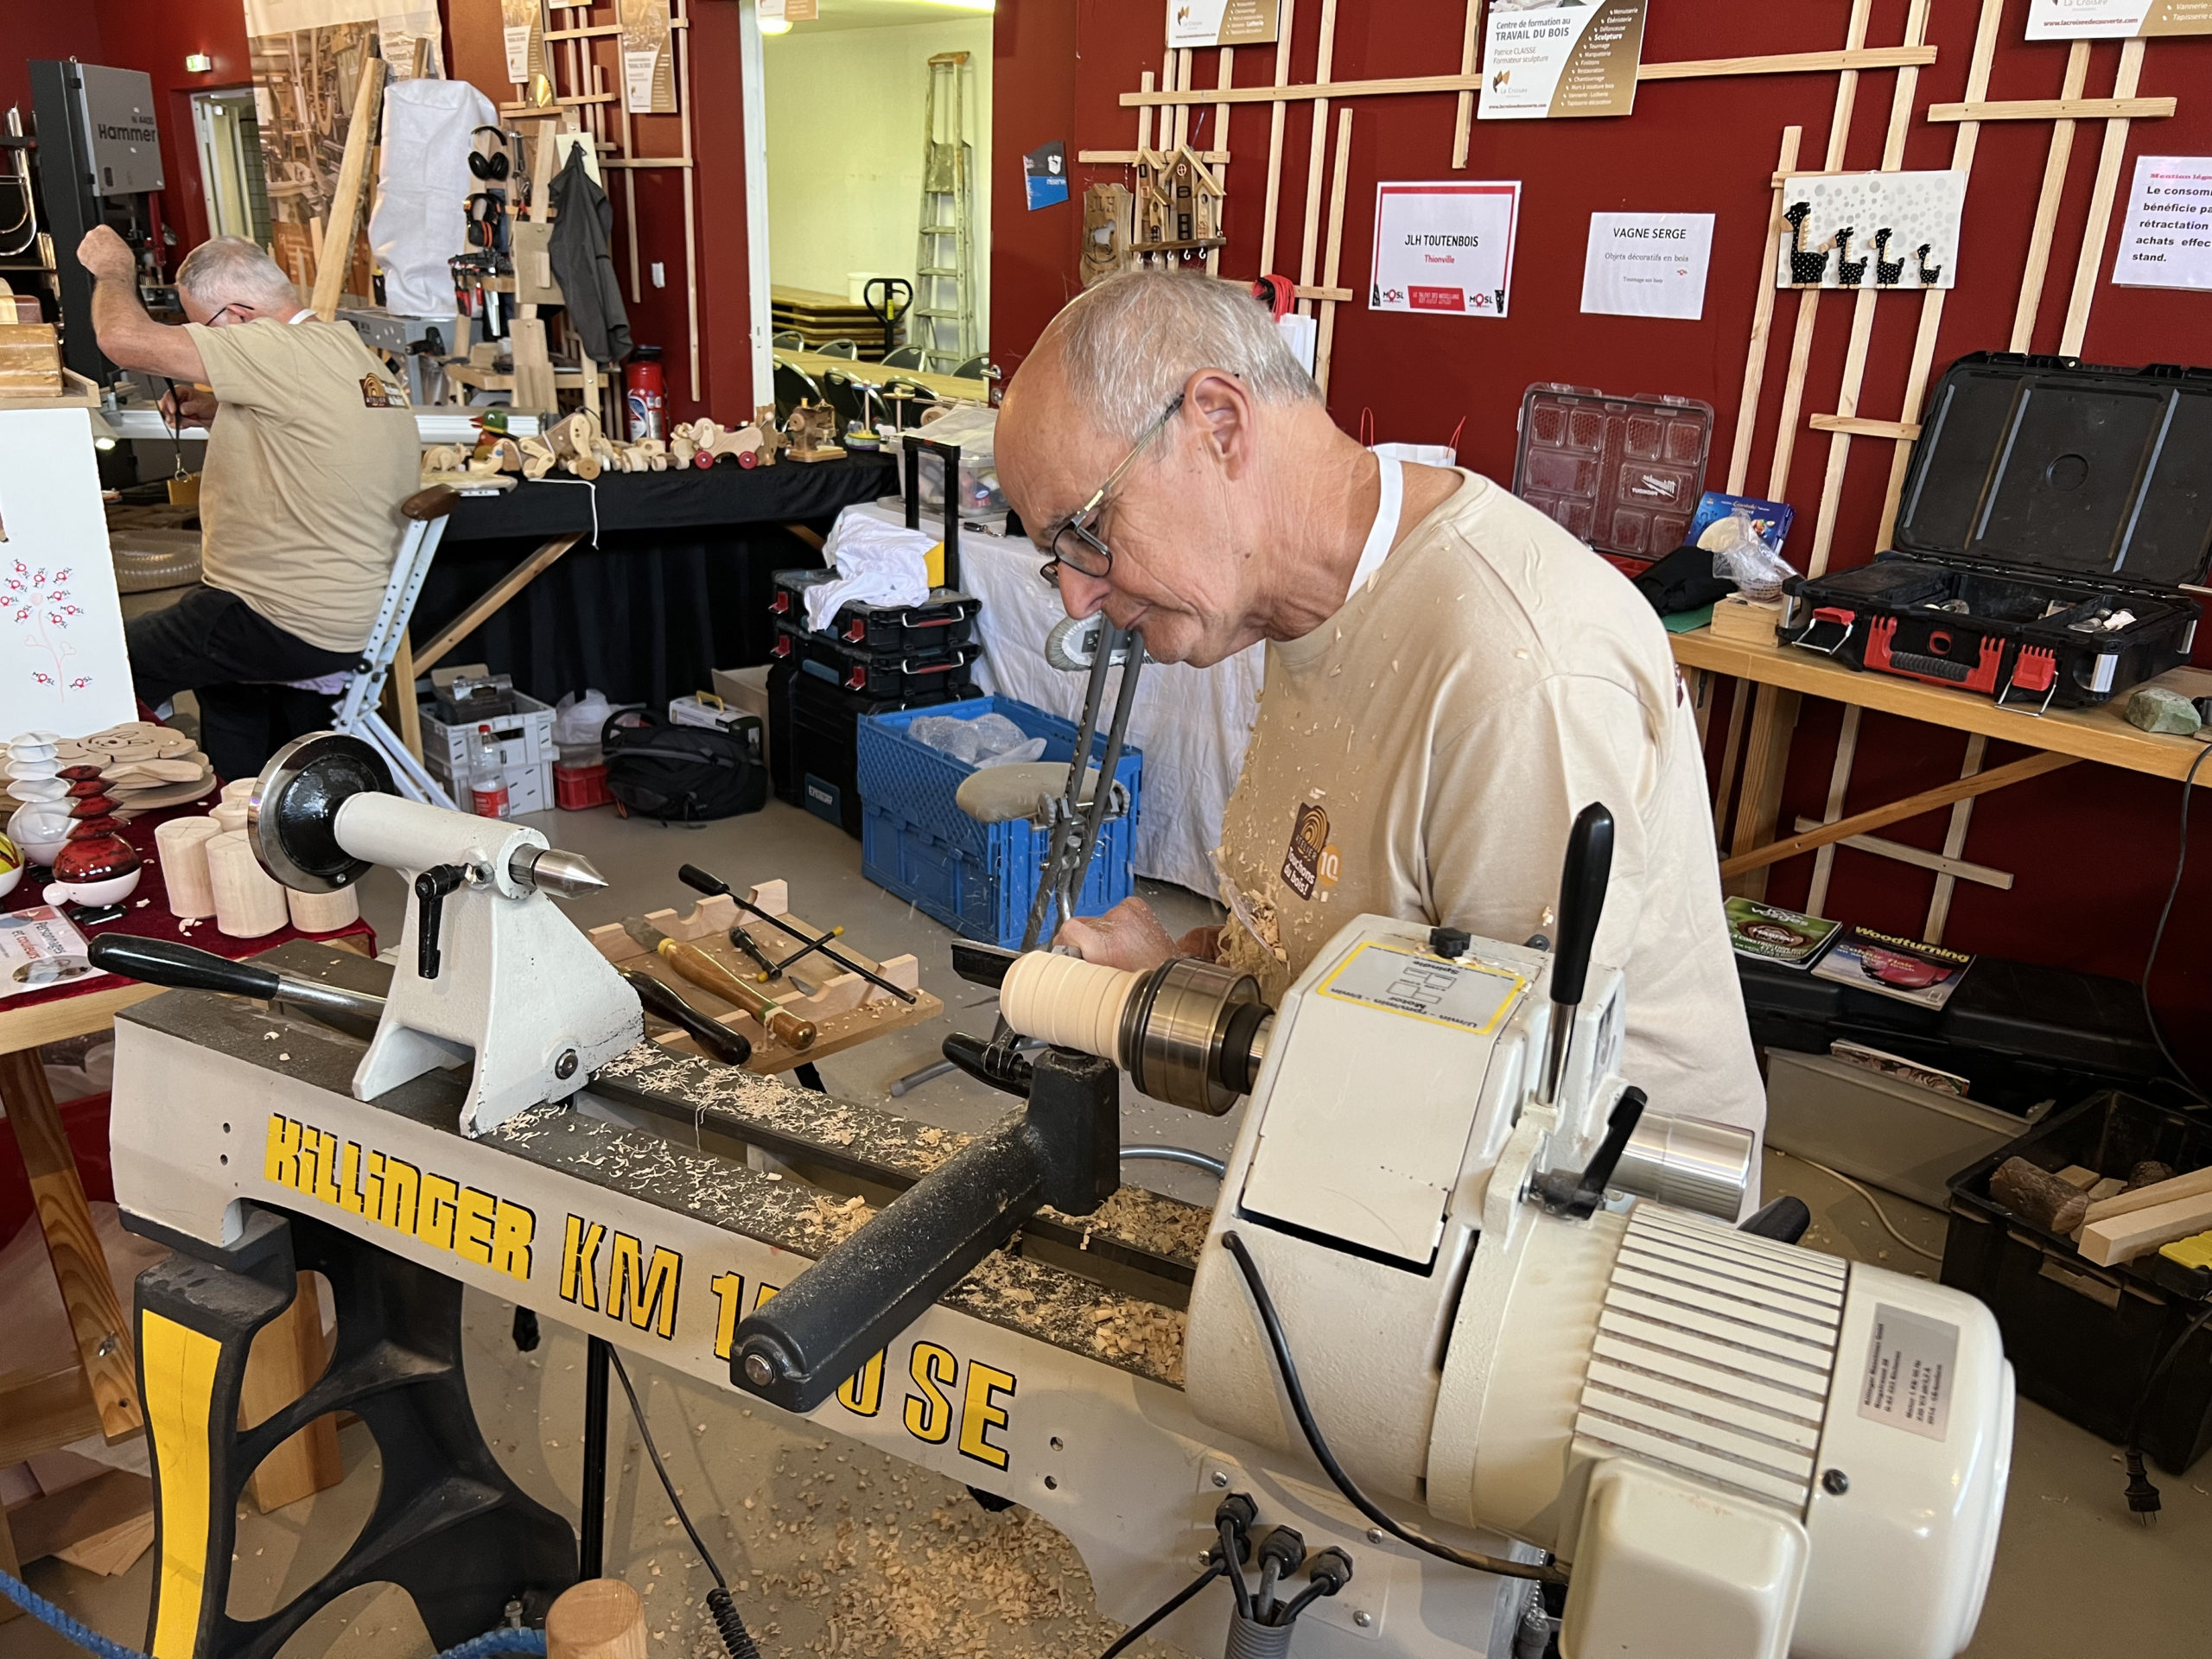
{"x":945,"y":267}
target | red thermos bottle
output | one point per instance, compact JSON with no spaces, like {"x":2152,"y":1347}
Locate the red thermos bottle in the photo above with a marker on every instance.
{"x":645,"y":392}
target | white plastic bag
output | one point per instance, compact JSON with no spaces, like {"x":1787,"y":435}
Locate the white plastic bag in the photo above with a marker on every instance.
{"x":877,"y":564}
{"x":577,"y":722}
{"x":420,"y":219}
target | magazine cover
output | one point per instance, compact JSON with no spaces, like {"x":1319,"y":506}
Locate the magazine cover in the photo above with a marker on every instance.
{"x":1895,"y":1066}
{"x":1904,"y":968}
{"x":1772,"y":934}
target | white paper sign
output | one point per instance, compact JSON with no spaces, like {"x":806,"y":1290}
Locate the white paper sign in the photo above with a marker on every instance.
{"x":2167,"y":241}
{"x":517,"y":40}
{"x":1445,"y":248}
{"x":1221,"y":23}
{"x":2105,"y":20}
{"x":63,"y":667}
{"x":637,"y":80}
{"x":1560,"y":57}
{"x":1647,"y":264}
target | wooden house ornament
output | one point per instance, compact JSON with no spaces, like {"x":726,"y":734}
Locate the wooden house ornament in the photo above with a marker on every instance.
{"x":1177,"y":206}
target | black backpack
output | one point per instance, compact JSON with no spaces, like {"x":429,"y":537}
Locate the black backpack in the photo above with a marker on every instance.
{"x":685,"y":774}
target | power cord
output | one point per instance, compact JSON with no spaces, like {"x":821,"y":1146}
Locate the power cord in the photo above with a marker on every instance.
{"x":2165,"y":914}
{"x":719,"y":1603}
{"x":2142,"y":1494}
{"x":1873,"y":1202}
{"x":1165,"y":1608}
{"x":1543,"y":1573}
{"x":1283,"y":1552}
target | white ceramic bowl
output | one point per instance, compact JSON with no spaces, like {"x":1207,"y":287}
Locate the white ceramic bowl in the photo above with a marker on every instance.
{"x":40,"y":830}
{"x":93,"y":892}
{"x":9,"y":879}
{"x":39,"y":789}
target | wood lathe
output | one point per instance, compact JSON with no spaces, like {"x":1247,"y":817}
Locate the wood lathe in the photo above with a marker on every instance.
{"x":1468,"y":1327}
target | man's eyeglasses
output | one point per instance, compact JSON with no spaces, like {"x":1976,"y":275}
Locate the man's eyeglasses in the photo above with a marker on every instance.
{"x":1075,"y":540}
{"x":216,"y":321}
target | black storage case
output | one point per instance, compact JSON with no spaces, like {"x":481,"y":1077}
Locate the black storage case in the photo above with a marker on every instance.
{"x":946,"y":622}
{"x":2084,"y":1339}
{"x":2045,"y":493}
{"x":814,"y":740}
{"x":854,"y":669}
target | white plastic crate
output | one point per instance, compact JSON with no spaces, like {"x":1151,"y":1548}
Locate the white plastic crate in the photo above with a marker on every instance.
{"x":525,"y":737}
{"x":530,"y":788}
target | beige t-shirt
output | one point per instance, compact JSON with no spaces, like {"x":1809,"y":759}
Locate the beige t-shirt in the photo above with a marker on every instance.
{"x":1434,"y":740}
{"x":309,"y":459}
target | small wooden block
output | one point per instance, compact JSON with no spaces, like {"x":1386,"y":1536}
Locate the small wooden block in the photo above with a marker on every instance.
{"x":2124,"y":1237}
{"x":2080,"y":1177}
{"x":1738,"y":619}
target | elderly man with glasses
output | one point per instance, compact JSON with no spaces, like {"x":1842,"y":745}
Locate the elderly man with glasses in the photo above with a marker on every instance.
{"x":1450,"y":676}
{"x":311,"y":449}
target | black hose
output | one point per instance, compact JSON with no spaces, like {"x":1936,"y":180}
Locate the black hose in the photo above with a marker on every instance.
{"x":1546,"y":1573}
{"x":719,"y":1603}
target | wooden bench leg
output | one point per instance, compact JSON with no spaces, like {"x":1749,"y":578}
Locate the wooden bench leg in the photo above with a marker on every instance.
{"x":96,"y":1319}
{"x":287,"y":1356}
{"x":1766,"y":764}
{"x":10,"y":1565}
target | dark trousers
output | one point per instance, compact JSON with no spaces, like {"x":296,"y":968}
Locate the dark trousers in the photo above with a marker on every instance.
{"x":218,"y":647}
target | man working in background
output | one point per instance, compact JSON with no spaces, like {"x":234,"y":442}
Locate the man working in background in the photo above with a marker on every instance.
{"x":1450,"y":676}
{"x":311,"y":449}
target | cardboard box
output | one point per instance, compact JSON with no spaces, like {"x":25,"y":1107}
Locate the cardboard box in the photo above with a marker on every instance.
{"x":746,"y":691}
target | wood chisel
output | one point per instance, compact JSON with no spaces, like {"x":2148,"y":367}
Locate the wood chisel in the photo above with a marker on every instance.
{"x":664,"y":1002}
{"x":705,"y":972}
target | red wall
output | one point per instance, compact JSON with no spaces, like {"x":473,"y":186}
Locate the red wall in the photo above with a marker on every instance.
{"x":2093,"y":850}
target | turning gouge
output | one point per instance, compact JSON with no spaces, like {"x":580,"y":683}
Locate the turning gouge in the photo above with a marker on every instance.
{"x":709,"y":975}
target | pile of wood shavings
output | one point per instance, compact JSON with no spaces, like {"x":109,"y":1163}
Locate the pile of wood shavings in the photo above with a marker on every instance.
{"x":1141,"y":1330}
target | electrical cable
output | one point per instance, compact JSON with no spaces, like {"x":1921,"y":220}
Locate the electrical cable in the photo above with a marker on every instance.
{"x":1226,"y":1530}
{"x":1305,"y":1598}
{"x":1873,"y":1202}
{"x":1549,"y":1572}
{"x":718,"y":1602}
{"x":1165,"y":1608}
{"x":2158,"y":938}
{"x":2142,"y":1496}
{"x":506,"y":1639}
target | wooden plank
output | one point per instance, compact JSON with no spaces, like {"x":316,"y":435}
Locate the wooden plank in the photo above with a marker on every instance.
{"x":1846,"y":750}
{"x":1747,"y":403}
{"x":1225,"y":79}
{"x":1182,"y":67}
{"x":2054,"y":187}
{"x":1959,"y":789}
{"x":1791,"y":63}
{"x":2068,"y":108}
{"x":1469,"y":51}
{"x":96,"y":1318}
{"x":73,"y":1016}
{"x":11,"y":1565}
{"x":1859,"y":427}
{"x":48,"y":1524}
{"x":2196,"y":1184}
{"x":1983,"y":874}
{"x":1128,"y":157}
{"x":334,"y":256}
{"x":2094,"y":234}
{"x":1793,"y":396}
{"x":2123,"y":1237}
{"x":1733,"y":738}
{"x":286,"y":1358}
{"x":1281,"y":113}
{"x":2101,"y":735}
{"x":1766,"y":765}
{"x":1317,"y":156}
{"x":43,"y":1411}
{"x":402,"y":684}
{"x":500,"y":592}
{"x":1954,"y":842}
{"x":682,"y":22}
{"x":1325,"y":341}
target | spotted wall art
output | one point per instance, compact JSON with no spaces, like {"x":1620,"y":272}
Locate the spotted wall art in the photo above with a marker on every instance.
{"x":1870,"y":229}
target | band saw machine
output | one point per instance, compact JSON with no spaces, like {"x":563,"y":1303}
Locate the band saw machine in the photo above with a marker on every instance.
{"x":1470,"y":1326}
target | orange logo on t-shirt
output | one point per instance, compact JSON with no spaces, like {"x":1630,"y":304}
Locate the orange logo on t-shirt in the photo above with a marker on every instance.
{"x":1303,"y":865}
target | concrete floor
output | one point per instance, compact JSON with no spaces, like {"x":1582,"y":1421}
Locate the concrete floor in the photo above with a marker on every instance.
{"x":2075,"y":1574}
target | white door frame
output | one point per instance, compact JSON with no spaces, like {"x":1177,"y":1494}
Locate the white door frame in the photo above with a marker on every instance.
{"x":753,"y":90}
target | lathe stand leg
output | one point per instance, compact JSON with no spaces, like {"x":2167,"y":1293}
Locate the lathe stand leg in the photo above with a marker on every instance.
{"x":450,"y":1528}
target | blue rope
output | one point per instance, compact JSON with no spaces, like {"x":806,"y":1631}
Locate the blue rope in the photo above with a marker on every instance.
{"x":55,"y":1618}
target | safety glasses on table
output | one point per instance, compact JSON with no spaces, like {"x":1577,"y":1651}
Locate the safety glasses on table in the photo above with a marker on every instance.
{"x":1075,"y":540}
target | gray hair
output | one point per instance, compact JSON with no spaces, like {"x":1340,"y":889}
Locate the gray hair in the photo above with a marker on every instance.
{"x":227,"y":268}
{"x":1131,"y":342}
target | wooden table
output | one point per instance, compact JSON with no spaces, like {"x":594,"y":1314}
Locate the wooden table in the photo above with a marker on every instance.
{"x":815,"y":365}
{"x":1773,"y":679}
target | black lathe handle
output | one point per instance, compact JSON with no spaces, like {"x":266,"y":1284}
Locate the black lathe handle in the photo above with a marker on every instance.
{"x":1581,"y":899}
{"x":802,"y":1346}
{"x":180,"y":967}
{"x":721,"y":1043}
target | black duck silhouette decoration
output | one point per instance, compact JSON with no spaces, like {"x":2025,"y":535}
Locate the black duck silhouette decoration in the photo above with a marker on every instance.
{"x":1806,"y":269}
{"x":1848,"y":272}
{"x":1887,"y":271}
{"x":1929,"y":275}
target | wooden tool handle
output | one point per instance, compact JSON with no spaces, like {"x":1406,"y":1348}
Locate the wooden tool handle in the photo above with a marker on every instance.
{"x":705,"y":972}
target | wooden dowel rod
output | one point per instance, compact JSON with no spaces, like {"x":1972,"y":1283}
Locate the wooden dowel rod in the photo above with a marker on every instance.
{"x":1959,"y":789}
{"x":2068,"y":108}
{"x":2091,"y":264}
{"x":1274,"y":141}
{"x":2054,"y":186}
{"x":1747,"y":405}
{"x":1469,"y":48}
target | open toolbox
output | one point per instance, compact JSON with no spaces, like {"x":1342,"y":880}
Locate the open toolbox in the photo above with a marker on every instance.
{"x":855,"y":668}
{"x":946,"y":622}
{"x":2053,"y":514}
{"x":1621,"y":473}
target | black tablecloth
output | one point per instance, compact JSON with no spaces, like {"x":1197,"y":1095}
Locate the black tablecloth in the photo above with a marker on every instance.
{"x":686,"y":498}
{"x":677,"y":586}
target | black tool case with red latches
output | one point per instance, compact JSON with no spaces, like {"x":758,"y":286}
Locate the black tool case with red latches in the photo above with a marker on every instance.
{"x":2053,"y":513}
{"x":944,"y":622}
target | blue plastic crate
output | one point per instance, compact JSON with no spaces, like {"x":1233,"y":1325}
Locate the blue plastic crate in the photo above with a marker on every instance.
{"x":976,"y":879}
